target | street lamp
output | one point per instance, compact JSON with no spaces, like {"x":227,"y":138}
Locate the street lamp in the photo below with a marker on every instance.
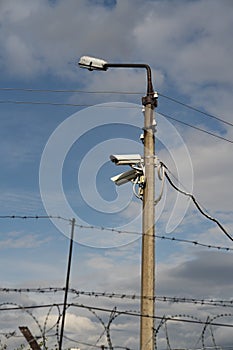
{"x":148,"y":226}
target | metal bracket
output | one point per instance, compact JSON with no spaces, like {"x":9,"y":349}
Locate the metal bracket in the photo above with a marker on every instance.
{"x":151,"y":127}
{"x":142,"y":184}
{"x":156,"y":160}
{"x":150,"y":99}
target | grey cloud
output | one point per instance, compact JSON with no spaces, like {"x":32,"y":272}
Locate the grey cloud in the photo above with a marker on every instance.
{"x":191,"y":41}
{"x":42,"y":37}
{"x":211,"y":268}
{"x":206,"y":274}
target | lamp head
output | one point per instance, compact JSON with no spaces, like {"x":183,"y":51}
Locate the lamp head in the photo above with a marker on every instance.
{"x":92,"y":63}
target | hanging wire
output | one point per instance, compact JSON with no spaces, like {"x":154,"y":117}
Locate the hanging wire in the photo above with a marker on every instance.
{"x":161,"y":176}
{"x":190,"y":195}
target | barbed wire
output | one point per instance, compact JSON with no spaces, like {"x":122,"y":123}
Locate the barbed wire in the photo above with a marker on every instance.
{"x":102,"y":228}
{"x":56,"y":324}
{"x":42,"y":329}
{"x":209,"y":322}
{"x":164,"y":322}
{"x":36,"y":217}
{"x":113,"y":313}
{"x":122,"y":296}
{"x":174,"y":239}
{"x":20,"y":307}
{"x":134,"y":313}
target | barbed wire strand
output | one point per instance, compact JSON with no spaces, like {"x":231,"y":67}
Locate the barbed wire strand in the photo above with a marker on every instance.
{"x":102,"y":228}
{"x":34,"y":217}
{"x":122,"y":296}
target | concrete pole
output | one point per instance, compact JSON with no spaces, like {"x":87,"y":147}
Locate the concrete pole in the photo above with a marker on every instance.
{"x":148,"y":239}
{"x":148,"y":246}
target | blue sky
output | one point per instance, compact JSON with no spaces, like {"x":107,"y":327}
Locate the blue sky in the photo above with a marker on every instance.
{"x":188,"y":45}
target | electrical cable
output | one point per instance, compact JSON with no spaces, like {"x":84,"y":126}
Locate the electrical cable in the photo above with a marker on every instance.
{"x":197,"y":205}
{"x":119,"y":93}
{"x":135,"y":183}
{"x":195,"y":109}
{"x":105,"y":105}
{"x":161,"y":176}
{"x":72,"y":91}
{"x":196,"y":128}
{"x":120,"y":312}
{"x":110,"y":106}
{"x":179,"y":318}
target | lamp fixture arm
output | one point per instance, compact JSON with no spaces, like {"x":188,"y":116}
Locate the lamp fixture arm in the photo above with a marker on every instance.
{"x":150,"y":90}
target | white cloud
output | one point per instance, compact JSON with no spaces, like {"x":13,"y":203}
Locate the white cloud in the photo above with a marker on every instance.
{"x":51,"y":43}
{"x":20,"y":58}
{"x":19,"y":240}
{"x":20,"y":202}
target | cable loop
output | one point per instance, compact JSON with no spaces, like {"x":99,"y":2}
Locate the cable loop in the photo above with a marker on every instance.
{"x":161,"y":176}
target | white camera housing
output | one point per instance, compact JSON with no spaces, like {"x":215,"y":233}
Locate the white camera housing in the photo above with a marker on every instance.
{"x":123,"y":178}
{"x":126,"y":159}
{"x":92,"y":63}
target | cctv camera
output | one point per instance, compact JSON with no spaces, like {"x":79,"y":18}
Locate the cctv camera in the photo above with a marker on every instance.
{"x":126,"y":159}
{"x":92,"y":63}
{"x":123,"y":178}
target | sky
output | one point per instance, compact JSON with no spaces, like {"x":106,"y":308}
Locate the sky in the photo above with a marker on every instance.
{"x":60,"y":124}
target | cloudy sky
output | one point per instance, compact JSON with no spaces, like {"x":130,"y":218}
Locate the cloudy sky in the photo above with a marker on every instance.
{"x":59,"y":124}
